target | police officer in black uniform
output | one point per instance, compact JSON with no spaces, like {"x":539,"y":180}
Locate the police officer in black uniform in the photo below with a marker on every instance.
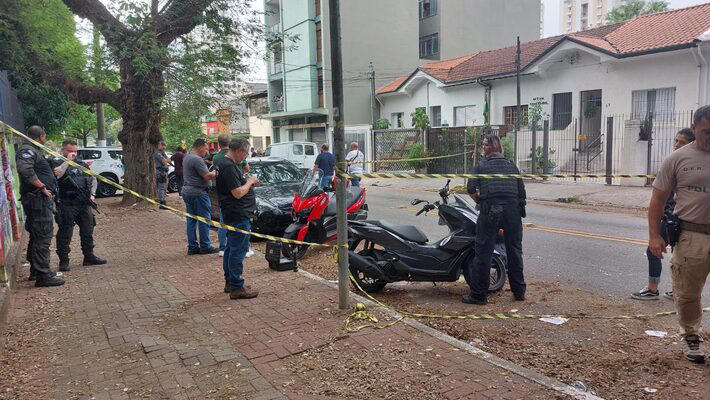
{"x":37,"y":188}
{"x":502,"y":205}
{"x":77,"y":192}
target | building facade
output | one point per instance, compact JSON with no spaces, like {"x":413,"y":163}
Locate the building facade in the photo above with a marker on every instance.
{"x":577,"y":80}
{"x":380,"y":38}
{"x":580,"y":15}
{"x":451,"y":28}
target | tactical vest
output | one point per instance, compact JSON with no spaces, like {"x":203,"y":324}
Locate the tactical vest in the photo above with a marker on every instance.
{"x":498,"y":188}
{"x":68,"y":191}
{"x":42,"y":169}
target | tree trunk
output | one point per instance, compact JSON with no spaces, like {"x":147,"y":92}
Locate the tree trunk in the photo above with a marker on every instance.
{"x":141,"y":97}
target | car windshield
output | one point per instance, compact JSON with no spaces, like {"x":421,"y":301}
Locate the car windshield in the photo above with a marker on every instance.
{"x":276,"y":173}
{"x":311,"y":184}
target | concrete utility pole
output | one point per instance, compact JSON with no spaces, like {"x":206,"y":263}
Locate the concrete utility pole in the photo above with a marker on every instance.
{"x":336,"y":65}
{"x":373,"y":100}
{"x":518,"y":109}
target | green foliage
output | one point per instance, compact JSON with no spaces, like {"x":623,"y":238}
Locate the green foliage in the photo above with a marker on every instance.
{"x":508,"y":147}
{"x":382,"y":123}
{"x":474,"y":137}
{"x":420,"y":119}
{"x":540,"y":159}
{"x":416,"y":151}
{"x":635,"y":8}
{"x":535,"y":114}
{"x":51,"y":32}
{"x":81,"y":123}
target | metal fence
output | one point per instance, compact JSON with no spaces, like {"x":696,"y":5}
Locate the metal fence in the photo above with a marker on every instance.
{"x":395,"y":144}
{"x":618,"y":144}
{"x":448,"y":141}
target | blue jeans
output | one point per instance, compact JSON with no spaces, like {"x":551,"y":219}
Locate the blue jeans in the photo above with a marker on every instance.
{"x":326,"y":181}
{"x":222,"y":235}
{"x":655,"y":266}
{"x":355,"y":182}
{"x":237,"y":246}
{"x":199,"y":205}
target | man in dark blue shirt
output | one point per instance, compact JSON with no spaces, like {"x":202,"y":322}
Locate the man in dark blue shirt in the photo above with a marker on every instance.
{"x":326,"y":163}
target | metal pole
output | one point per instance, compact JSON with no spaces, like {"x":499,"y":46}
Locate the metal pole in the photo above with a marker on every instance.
{"x":534,"y":149}
{"x":648,"y":148}
{"x":609,"y":148}
{"x":545,"y":145}
{"x":518,"y":109}
{"x":336,"y":61}
{"x":576,"y":147}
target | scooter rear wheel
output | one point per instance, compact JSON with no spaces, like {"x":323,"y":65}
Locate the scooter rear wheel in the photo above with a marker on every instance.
{"x":498,"y":274}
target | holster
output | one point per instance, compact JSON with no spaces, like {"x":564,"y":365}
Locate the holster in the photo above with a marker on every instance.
{"x":673,"y":229}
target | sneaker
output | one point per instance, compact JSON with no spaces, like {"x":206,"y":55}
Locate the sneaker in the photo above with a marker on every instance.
{"x":47,"y":281}
{"x":249,"y":253}
{"x":93,"y":260}
{"x":694,"y":353}
{"x":221,"y":253}
{"x":243,"y":293}
{"x":193,"y":252}
{"x":519,"y":297}
{"x":64,"y":265}
{"x":668,"y":295}
{"x":227,"y":288}
{"x":211,"y":250}
{"x":33,"y":275}
{"x":645,"y":294}
{"x":468,"y":299}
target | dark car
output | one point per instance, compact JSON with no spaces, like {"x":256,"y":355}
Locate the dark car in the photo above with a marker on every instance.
{"x":280,"y":181}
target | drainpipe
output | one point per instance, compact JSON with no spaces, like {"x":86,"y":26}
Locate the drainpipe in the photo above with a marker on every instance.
{"x":700,"y":59}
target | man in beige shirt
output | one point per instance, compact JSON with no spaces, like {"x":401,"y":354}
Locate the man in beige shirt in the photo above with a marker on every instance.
{"x":687,"y":173}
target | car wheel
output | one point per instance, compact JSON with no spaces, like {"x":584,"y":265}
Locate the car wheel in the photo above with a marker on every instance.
{"x":106,"y":190}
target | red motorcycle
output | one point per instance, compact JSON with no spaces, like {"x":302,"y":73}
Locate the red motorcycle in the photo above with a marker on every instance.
{"x":314,"y":213}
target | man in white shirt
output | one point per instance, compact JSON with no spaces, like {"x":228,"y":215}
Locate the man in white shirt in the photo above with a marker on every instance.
{"x":356,"y":161}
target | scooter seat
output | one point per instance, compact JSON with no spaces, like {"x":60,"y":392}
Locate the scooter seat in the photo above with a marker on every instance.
{"x":352,"y":195}
{"x":408,"y":232}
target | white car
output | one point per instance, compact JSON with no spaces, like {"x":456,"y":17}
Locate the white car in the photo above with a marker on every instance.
{"x":107,"y":162}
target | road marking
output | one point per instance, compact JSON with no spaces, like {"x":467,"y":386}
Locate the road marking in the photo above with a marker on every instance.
{"x":561,"y":231}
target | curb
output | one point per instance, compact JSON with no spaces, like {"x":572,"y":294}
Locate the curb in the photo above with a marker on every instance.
{"x":526,"y":373}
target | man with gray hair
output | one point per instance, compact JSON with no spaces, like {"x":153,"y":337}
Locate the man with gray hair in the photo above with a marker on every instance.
{"x":237,"y":203}
{"x":356,"y":162}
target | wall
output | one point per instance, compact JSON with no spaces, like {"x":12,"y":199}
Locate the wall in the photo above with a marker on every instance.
{"x":478,"y":25}
{"x":262,"y":128}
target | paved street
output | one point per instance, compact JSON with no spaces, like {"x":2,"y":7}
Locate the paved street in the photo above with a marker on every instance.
{"x":612,"y":264}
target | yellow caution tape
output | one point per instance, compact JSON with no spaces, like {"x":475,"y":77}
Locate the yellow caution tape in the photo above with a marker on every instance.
{"x":361,"y":314}
{"x":403,"y":160}
{"x":155,"y":202}
{"x":405,"y":175}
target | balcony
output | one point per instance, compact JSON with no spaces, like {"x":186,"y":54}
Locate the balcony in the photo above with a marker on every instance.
{"x":277,"y":105}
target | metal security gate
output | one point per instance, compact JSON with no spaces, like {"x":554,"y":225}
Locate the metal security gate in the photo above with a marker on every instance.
{"x":394,"y":144}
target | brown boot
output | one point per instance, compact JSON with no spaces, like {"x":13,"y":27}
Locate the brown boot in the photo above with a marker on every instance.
{"x":243,"y":293}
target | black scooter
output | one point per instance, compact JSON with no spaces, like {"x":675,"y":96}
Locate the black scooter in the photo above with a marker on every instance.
{"x":382,"y":253}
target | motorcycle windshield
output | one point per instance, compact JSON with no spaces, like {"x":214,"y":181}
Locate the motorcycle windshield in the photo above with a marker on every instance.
{"x":311,"y":184}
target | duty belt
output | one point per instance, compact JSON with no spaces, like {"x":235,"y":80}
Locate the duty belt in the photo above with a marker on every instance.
{"x":700,"y":228}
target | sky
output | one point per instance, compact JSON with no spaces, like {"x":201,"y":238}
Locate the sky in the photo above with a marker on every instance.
{"x":552,"y":13}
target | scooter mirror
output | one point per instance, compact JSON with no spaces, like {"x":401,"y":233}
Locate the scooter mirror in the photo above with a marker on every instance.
{"x":417,"y":201}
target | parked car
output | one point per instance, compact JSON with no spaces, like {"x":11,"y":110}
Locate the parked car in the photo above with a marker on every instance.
{"x":280,"y":181}
{"x":107,"y":162}
{"x":302,"y":154}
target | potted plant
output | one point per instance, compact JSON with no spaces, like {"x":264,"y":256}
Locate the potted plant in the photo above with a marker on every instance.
{"x":540,"y":162}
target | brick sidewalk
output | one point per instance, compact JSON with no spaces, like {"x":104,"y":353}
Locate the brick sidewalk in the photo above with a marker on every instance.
{"x":155,"y":323}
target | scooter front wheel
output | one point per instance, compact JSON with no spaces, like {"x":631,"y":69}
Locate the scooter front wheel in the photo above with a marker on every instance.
{"x":294,"y":251}
{"x":364,"y":281}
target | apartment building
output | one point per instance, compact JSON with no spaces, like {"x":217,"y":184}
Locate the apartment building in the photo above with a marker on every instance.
{"x":452,"y":28}
{"x":580,"y":15}
{"x":390,"y":35}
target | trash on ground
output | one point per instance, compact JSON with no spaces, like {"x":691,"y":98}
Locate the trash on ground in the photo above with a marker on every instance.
{"x":555,"y":320}
{"x":650,"y":390}
{"x":659,"y":334}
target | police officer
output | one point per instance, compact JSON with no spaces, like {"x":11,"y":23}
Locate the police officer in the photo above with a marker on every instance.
{"x":77,"y":192}
{"x":37,"y":188}
{"x":502,"y":204}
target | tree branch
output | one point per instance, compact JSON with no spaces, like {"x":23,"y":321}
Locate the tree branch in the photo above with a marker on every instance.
{"x":180,"y":18}
{"x":110,"y":27}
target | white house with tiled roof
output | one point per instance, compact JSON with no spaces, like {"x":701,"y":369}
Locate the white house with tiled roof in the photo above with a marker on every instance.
{"x":651,"y":65}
